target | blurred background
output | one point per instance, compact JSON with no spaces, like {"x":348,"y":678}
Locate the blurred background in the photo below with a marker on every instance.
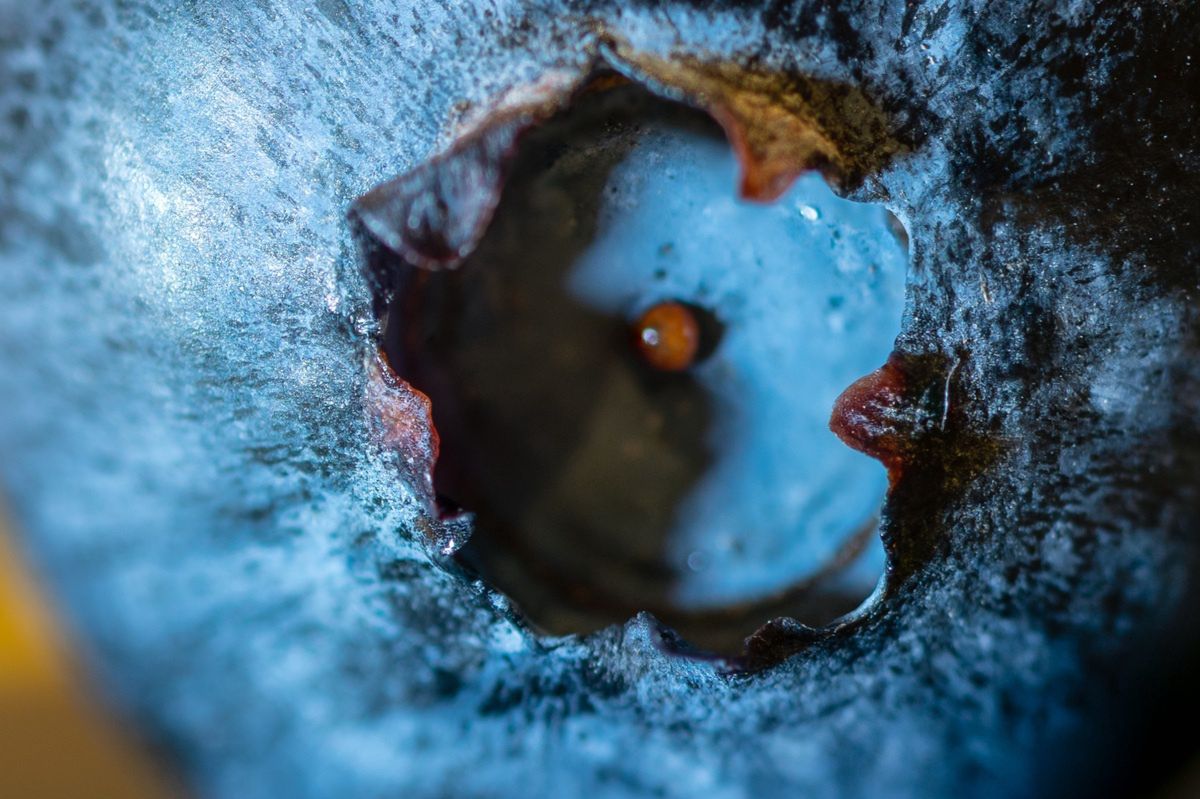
{"x":56,"y":737}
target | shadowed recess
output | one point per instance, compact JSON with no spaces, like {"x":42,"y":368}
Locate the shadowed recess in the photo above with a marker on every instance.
{"x":714,"y":497}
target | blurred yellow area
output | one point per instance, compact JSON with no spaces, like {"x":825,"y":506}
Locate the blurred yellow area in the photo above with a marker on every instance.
{"x":55,"y":739}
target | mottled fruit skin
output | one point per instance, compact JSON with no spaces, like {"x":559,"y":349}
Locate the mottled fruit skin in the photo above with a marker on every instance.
{"x":199,"y":484}
{"x":667,"y":336}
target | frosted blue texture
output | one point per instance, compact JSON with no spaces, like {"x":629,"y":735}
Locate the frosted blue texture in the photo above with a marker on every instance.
{"x":183,"y":329}
{"x":810,"y":290}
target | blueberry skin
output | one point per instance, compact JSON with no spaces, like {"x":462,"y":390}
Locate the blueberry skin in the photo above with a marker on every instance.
{"x":182,"y":346}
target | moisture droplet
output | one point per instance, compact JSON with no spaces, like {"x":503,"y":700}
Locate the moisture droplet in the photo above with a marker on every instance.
{"x":668,"y":336}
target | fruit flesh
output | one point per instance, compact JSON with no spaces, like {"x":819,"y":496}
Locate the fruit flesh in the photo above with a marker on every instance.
{"x":196,"y":479}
